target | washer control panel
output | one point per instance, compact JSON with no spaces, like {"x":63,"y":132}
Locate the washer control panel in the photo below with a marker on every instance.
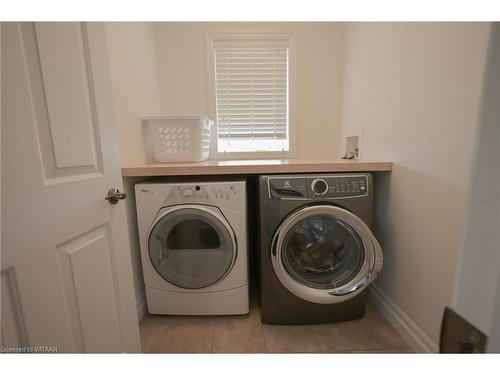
{"x":308,"y":187}
{"x":338,"y":186}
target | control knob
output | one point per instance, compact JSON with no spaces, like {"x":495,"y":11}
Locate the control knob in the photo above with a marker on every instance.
{"x":319,"y":186}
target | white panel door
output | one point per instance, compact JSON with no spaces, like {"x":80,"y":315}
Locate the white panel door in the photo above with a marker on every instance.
{"x":66,"y":271}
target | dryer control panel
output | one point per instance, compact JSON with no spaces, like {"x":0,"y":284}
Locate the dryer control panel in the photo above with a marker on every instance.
{"x":201,"y":192}
{"x":314,"y":187}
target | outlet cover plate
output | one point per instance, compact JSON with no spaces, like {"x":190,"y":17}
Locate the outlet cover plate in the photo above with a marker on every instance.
{"x":460,"y":336}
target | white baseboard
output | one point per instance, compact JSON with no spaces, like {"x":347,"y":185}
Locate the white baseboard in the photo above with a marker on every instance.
{"x":406,"y":327}
{"x":142,"y":307}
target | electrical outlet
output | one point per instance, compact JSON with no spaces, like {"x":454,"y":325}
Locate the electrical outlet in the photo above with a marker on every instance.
{"x":460,"y":336}
{"x":352,"y":146}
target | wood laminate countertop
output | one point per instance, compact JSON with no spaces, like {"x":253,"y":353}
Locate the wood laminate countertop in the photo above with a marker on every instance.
{"x":228,"y":167}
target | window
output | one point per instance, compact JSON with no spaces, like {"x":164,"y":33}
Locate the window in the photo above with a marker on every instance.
{"x":252,"y":94}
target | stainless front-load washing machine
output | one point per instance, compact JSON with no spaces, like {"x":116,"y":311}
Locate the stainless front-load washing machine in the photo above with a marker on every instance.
{"x":317,"y":254}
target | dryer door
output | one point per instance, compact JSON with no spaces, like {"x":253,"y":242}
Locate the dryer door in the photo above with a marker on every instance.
{"x":192,"y":246}
{"x":325,"y":254}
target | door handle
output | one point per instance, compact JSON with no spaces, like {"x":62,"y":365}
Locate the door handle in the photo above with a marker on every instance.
{"x":114,"y":196}
{"x":346,"y":291}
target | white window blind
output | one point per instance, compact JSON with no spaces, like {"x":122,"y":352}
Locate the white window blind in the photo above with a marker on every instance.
{"x":252,"y":98}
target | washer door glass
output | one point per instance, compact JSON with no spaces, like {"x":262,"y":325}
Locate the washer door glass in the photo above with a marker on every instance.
{"x":323,"y":252}
{"x":191,"y":248}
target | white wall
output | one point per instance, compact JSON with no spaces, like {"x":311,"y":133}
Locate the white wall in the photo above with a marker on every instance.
{"x":136,"y":93}
{"x":478,"y":277}
{"x":414,"y":90}
{"x":136,"y":89}
{"x":183,"y":72}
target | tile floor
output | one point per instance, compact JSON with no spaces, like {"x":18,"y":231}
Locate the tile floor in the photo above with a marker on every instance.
{"x":246,"y":334}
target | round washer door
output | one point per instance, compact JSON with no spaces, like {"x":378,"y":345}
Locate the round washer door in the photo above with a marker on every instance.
{"x":325,"y":254}
{"x":192,"y":246}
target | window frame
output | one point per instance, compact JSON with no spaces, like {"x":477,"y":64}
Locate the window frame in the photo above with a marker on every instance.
{"x":290,"y":39}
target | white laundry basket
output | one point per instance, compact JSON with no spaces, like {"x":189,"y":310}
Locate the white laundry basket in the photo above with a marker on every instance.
{"x":177,"y":138}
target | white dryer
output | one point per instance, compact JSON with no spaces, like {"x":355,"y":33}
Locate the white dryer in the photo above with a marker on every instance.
{"x":193,"y":239}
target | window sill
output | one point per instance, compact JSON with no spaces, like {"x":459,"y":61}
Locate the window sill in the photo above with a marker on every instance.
{"x":252,"y":155}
